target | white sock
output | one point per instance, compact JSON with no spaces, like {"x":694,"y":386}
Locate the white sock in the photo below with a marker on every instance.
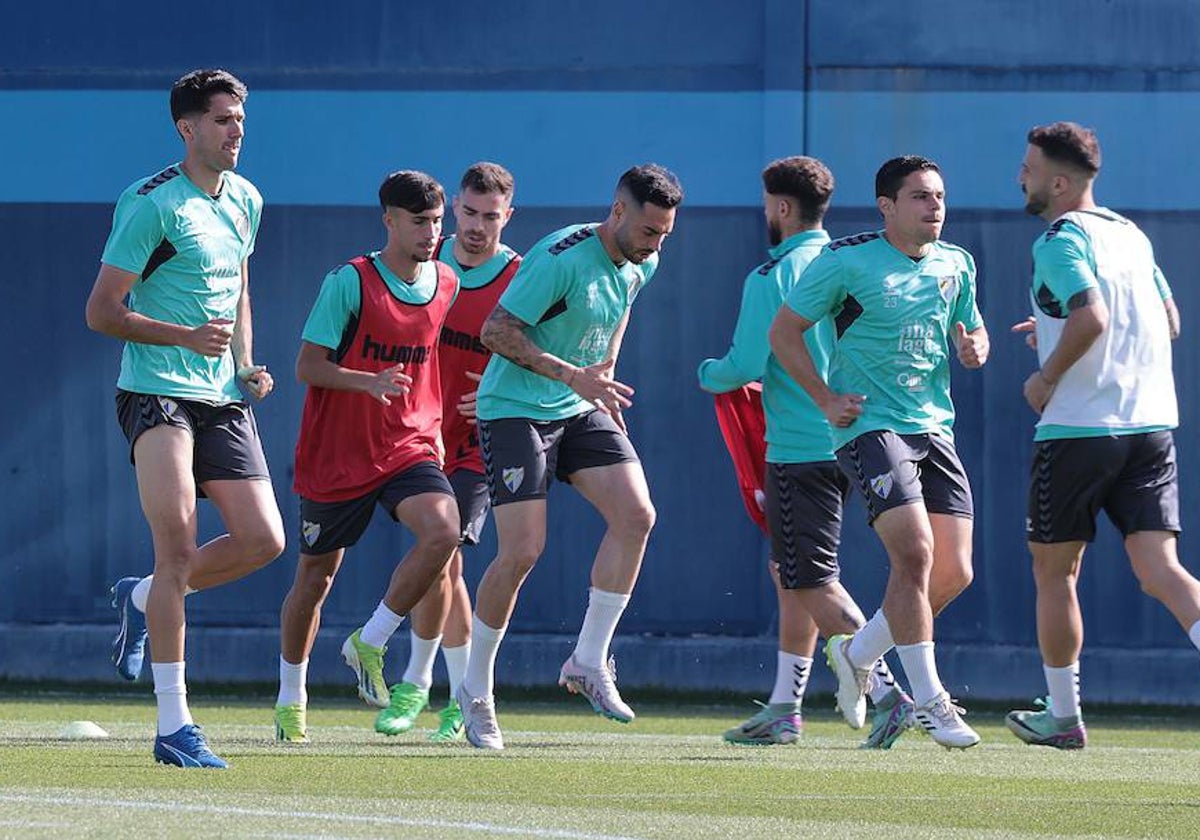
{"x":456,"y":664}
{"x":170,"y":691}
{"x":882,"y":682}
{"x":1064,"y":690}
{"x":599,"y":623}
{"x":382,"y":625}
{"x":921,"y":671}
{"x":791,"y":678}
{"x":292,"y":680}
{"x":1194,"y":634}
{"x":420,"y":661}
{"x":141,"y":591}
{"x":872,"y":641}
{"x":480,"y":677}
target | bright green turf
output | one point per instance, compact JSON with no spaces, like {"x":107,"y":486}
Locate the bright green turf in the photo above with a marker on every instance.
{"x":570,"y":774}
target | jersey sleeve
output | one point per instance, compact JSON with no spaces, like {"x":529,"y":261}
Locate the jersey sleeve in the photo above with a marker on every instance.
{"x":746,"y":360}
{"x":966,"y":308}
{"x":136,"y":232}
{"x":1164,"y":288}
{"x":254,"y":206}
{"x":338,"y":302}
{"x":649,"y":267}
{"x":540,"y":282}
{"x":1064,"y":263}
{"x":820,"y":288}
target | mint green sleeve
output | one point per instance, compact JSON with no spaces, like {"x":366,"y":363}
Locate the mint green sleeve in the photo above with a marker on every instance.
{"x":540,"y":282}
{"x":649,"y":267}
{"x":137,"y":230}
{"x":337,"y":303}
{"x":966,"y":308}
{"x":746,"y":359}
{"x":1164,"y":288}
{"x":820,"y":288}
{"x":1064,"y":264}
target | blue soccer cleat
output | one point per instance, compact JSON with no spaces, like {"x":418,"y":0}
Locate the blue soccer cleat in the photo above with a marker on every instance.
{"x":186,"y":747}
{"x":129,"y":645}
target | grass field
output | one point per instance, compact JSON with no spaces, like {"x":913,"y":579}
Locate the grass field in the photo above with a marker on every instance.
{"x":569,"y":774}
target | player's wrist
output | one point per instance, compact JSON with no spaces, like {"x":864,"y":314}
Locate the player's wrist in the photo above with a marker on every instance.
{"x":1050,"y":382}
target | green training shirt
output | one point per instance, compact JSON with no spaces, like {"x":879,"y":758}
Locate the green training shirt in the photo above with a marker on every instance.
{"x":894,"y":317}
{"x":187,"y":248}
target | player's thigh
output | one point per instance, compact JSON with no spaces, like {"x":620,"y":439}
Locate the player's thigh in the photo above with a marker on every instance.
{"x":249,"y":510}
{"x":422,"y":499}
{"x":600,"y":462}
{"x":163,"y":463}
{"x":521,"y":530}
{"x":804,"y":514}
{"x":906,"y":534}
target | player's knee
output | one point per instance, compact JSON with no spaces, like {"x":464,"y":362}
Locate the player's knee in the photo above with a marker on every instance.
{"x":518,"y":561}
{"x":439,"y":539}
{"x":638,"y":520}
{"x":265,"y":544}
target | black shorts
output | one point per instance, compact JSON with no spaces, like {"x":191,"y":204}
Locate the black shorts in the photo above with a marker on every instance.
{"x":521,"y":455}
{"x":328,"y":526}
{"x":891,"y":470}
{"x":225,"y":443}
{"x":1132,"y":478}
{"x":471,"y":493}
{"x":804,"y":512}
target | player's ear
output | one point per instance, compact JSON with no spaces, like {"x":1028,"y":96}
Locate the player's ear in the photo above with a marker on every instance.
{"x":884,"y":204}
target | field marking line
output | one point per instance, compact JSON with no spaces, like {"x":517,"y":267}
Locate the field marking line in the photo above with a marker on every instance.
{"x":492,"y":828}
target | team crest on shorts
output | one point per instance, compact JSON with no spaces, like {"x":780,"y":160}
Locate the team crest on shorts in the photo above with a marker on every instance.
{"x":881,"y":485}
{"x":512,"y":478}
{"x":311,"y":532}
{"x":168,"y":405}
{"x":948,"y":286}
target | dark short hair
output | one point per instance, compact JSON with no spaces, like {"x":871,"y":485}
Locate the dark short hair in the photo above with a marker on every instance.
{"x":652,"y":183}
{"x":804,"y":179}
{"x":486,"y":177}
{"x":192,"y":93}
{"x":893,"y":172}
{"x":410,"y":190}
{"x":1069,"y":143}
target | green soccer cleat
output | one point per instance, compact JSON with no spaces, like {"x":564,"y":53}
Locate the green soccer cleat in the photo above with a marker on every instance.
{"x":451,"y":727}
{"x":1043,"y":729}
{"x":401,"y":713}
{"x":367,"y":664}
{"x":893,"y":717}
{"x":775,"y":723}
{"x":291,"y":724}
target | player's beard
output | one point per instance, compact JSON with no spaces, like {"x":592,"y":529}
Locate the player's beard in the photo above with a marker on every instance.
{"x":774,"y":234}
{"x":1035,"y":205}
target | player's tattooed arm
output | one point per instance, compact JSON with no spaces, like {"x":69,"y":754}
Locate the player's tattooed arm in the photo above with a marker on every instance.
{"x":504,"y":333}
{"x":1088,"y":318}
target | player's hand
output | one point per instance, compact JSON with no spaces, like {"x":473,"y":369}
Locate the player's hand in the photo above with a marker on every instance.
{"x":389,"y":382}
{"x":1029,"y":327}
{"x":468,"y":402}
{"x":973,"y":347}
{"x":211,"y":339}
{"x":1037,"y":391}
{"x":258,"y":382}
{"x":843,"y":409}
{"x":596,"y":385}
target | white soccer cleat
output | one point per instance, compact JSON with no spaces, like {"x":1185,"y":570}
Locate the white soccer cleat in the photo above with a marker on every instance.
{"x":598,"y":686}
{"x":852,"y":682}
{"x":941,"y":718}
{"x":479,"y":720}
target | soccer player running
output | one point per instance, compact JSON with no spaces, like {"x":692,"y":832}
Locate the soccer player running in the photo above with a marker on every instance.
{"x":549,"y":407}
{"x":371,"y":435}
{"x":804,"y":488}
{"x":484,"y":267}
{"x":901,"y":298}
{"x":173,"y":285}
{"x":1104,"y":319}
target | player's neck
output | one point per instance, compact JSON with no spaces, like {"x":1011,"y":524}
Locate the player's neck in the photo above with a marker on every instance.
{"x":400,"y":264}
{"x":204,"y":177}
{"x":472,"y":260}
{"x":908,"y":247}
{"x":786,"y":232}
{"x":1084,"y":201}
{"x":609,"y":240}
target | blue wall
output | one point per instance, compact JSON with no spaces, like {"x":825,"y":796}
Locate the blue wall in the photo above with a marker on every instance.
{"x":568,"y":97}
